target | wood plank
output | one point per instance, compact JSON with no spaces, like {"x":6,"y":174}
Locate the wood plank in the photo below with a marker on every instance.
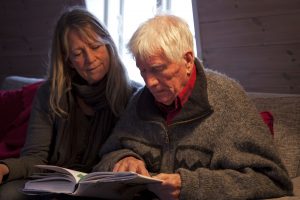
{"x":220,"y":10}
{"x":33,"y":66}
{"x":275,"y":69}
{"x":262,"y":55}
{"x":15,"y":9}
{"x":31,"y":27}
{"x":25,"y":34}
{"x":31,"y":9}
{"x":259,"y":31}
{"x":22,"y":46}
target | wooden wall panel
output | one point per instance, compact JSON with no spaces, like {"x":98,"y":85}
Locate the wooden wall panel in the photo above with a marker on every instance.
{"x":256,"y":31}
{"x":27,"y":65}
{"x":26,"y":29}
{"x":257,"y":42}
{"x":21,"y":46}
{"x":251,"y":66}
{"x":220,"y":10}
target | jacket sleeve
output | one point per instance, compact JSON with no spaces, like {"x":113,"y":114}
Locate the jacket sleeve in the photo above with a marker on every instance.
{"x":37,"y":144}
{"x":112,"y":151}
{"x":245,"y":163}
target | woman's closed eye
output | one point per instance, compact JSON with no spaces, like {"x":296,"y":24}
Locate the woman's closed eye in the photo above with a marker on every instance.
{"x":76,"y":53}
{"x":96,"y":46}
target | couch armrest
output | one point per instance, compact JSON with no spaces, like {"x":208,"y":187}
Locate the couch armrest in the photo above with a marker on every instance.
{"x":15,"y":82}
{"x":286,"y":112}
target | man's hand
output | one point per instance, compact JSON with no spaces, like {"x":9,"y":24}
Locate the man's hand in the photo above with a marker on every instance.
{"x":131,"y":164}
{"x":169,"y":188}
{"x":3,"y":171}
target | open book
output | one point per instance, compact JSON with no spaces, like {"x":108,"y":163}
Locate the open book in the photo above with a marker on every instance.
{"x":111,"y":185}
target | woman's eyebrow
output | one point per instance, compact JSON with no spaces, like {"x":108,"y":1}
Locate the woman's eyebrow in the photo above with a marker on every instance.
{"x":76,"y":49}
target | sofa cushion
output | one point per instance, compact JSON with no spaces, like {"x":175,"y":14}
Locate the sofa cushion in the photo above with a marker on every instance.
{"x":16,"y":107}
{"x":16,"y":82}
{"x":10,"y":106}
{"x":268,"y":119}
{"x":286,"y":113}
{"x":296,"y":184}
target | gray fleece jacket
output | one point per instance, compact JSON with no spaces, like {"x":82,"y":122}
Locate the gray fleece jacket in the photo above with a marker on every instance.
{"x":218,"y":143}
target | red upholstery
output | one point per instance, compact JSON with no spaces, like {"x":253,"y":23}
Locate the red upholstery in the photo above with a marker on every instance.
{"x":268,"y":119}
{"x":15,"y":106}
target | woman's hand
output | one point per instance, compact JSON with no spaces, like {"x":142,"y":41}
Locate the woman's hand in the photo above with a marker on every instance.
{"x":3,"y":171}
{"x":131,"y":164}
{"x":169,"y":188}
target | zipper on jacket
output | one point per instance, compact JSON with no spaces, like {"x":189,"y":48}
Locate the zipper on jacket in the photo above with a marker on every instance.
{"x":207,"y":113}
{"x":167,"y":160}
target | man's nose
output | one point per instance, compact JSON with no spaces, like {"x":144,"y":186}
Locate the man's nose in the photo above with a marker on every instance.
{"x":150,"y":80}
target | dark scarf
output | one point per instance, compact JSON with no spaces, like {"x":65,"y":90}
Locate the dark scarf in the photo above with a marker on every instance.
{"x":82,"y":136}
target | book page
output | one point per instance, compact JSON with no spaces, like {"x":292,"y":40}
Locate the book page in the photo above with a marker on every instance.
{"x":75,"y":174}
{"x":57,"y":180}
{"x":49,"y":185}
{"x":121,"y":185}
{"x":118,"y":177}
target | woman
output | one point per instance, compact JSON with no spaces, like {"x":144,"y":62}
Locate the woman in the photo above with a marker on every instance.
{"x":76,"y":108}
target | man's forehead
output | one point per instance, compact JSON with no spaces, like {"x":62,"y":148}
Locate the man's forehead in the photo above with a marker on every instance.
{"x":151,"y":60}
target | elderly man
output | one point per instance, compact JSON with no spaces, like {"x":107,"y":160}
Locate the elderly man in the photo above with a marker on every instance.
{"x":193,"y":128}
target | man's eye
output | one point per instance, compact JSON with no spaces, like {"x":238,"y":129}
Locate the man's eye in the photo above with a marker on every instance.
{"x":158,"y":69}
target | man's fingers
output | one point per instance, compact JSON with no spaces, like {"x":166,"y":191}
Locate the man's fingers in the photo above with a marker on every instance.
{"x":142,"y":170}
{"x":116,"y":167}
{"x":131,"y":164}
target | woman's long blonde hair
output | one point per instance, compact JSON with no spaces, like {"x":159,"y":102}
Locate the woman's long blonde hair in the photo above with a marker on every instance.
{"x":118,"y":86}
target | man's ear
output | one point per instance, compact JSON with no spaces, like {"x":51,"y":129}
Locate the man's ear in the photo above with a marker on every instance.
{"x":189,"y":61}
{"x":189,"y":57}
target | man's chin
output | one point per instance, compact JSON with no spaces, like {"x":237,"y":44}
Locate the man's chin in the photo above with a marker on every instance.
{"x":164,"y":101}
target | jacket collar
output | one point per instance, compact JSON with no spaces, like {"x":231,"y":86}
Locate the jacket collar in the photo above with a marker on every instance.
{"x":197,"y":106}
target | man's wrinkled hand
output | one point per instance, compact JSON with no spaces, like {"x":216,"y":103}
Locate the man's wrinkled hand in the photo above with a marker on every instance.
{"x":3,"y":171}
{"x":170,"y":187}
{"x":131,"y":164}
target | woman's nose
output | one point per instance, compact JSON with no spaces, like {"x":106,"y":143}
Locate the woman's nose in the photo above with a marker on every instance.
{"x":90,"y":56}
